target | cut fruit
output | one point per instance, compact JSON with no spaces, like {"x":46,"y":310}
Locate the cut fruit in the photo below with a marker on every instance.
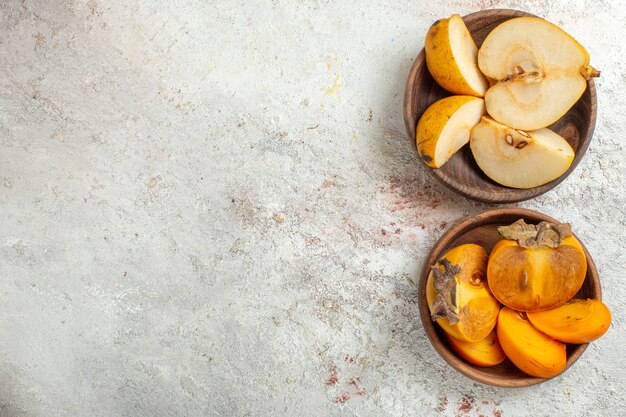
{"x":445,"y":127}
{"x":530,"y":350}
{"x":519,"y":159}
{"x":536,"y":267}
{"x":578,"y":321}
{"x":451,"y":57}
{"x":539,"y":72}
{"x":458,"y":296}
{"x":485,"y":352}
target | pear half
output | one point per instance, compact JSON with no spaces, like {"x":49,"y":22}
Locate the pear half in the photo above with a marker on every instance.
{"x":538,"y":71}
{"x":445,"y":127}
{"x":451,"y":57}
{"x":519,"y":159}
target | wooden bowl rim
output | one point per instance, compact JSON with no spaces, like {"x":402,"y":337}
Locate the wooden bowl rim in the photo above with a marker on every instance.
{"x":457,"y":230}
{"x":507,"y":194}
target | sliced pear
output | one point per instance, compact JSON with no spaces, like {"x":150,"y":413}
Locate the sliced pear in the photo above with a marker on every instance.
{"x":519,"y":159}
{"x":451,"y":57}
{"x":539,"y":72}
{"x":445,"y":127}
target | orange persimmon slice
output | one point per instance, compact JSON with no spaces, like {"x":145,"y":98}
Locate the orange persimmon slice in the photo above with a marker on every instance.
{"x":485,"y":352}
{"x":530,"y":350}
{"x":536,"y":273}
{"x":577,"y":321}
{"x":458,"y":295}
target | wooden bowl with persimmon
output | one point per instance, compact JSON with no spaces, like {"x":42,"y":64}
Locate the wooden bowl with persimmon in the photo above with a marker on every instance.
{"x":511,"y":298}
{"x":495,"y":116}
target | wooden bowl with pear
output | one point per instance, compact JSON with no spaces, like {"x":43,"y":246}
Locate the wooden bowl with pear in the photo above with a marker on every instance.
{"x":500,"y":104}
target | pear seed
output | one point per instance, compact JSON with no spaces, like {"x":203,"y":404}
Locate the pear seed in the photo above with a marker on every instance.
{"x":522,"y":144}
{"x":509,"y":139}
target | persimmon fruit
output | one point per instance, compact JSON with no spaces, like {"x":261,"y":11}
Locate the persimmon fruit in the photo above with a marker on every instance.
{"x":577,"y":321}
{"x":458,"y":295}
{"x":536,"y":267}
{"x":485,"y":352}
{"x":530,"y":350}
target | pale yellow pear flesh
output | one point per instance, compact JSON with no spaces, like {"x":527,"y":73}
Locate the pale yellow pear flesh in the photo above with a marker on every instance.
{"x":519,"y":159}
{"x":445,"y":127}
{"x":451,"y":57}
{"x":538,"y":72}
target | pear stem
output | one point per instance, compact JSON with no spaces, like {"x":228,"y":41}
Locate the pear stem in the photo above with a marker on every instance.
{"x":589,"y":72}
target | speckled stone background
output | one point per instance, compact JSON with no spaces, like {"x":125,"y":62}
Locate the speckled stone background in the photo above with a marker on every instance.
{"x":211,"y":208}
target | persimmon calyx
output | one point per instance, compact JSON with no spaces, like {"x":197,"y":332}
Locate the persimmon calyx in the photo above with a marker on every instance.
{"x":532,"y":236}
{"x":445,"y":303}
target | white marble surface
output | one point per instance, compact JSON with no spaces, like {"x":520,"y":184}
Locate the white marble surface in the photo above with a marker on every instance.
{"x":209,"y":206}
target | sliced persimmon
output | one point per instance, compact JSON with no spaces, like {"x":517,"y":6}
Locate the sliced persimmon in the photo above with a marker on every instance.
{"x":536,"y":268}
{"x":530,"y":350}
{"x":577,"y":321}
{"x":458,"y":295}
{"x":485,"y":352}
